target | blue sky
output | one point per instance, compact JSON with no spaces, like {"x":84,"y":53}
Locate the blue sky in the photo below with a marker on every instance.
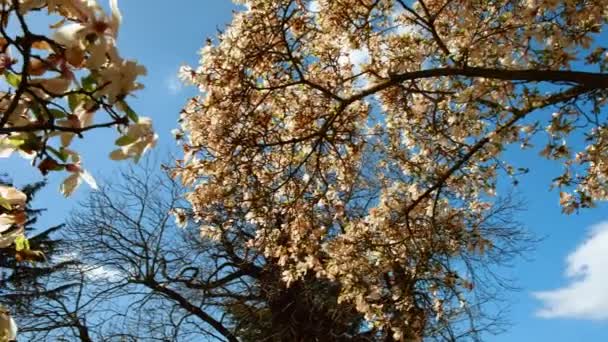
{"x":163,"y":35}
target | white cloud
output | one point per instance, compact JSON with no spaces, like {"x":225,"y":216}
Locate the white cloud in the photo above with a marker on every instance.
{"x":314,"y":6}
{"x":103,"y":273}
{"x":92,"y":272}
{"x":403,"y":26}
{"x":586,"y":296}
{"x":359,"y":57}
{"x":356,"y":57}
{"x":174,"y":85}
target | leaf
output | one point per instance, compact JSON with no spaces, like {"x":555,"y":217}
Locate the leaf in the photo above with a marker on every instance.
{"x":4,"y":203}
{"x":75,"y":157}
{"x":125,"y":140}
{"x":57,"y":114}
{"x":88,"y":83}
{"x":13,"y":79}
{"x":130,"y":112}
{"x":16,"y":142}
{"x":36,"y":110}
{"x":22,"y":243}
{"x":70,"y":184}
{"x":31,"y":144}
{"x":74,"y":100}
{"x":118,"y":155}
{"x":66,"y":138}
{"x":59,"y":154}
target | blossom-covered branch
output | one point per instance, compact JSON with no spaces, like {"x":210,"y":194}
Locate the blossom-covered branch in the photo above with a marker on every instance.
{"x":61,"y":82}
{"x":59,"y":85}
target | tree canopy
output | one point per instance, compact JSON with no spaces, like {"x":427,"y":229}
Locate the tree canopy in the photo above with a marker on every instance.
{"x":361,"y":141}
{"x":342,"y":161}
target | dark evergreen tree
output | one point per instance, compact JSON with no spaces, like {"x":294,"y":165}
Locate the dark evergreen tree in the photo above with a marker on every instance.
{"x":24,"y":282}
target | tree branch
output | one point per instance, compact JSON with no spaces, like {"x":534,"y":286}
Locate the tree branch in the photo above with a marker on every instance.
{"x":589,"y":80}
{"x":186,"y":305}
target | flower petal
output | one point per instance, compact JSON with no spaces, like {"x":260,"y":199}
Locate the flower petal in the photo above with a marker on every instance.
{"x":70,"y":184}
{"x":68,"y":35}
{"x":12,"y":195}
{"x":116,"y":17}
{"x":8,"y":239}
{"x":118,"y":155}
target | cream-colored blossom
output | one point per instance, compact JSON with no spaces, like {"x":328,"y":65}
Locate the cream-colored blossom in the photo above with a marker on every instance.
{"x":141,"y":137}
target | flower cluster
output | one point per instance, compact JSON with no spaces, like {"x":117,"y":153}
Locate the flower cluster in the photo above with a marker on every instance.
{"x":12,"y":215}
{"x":65,"y":82}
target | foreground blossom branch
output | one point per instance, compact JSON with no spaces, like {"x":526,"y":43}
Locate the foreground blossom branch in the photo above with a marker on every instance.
{"x":59,"y":85}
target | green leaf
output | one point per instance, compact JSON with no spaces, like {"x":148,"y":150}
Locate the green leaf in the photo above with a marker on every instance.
{"x":118,"y":155}
{"x":4,"y":203}
{"x":22,"y":243}
{"x":88,"y":83}
{"x":57,"y":114}
{"x":130,"y":112}
{"x":13,"y":79}
{"x":74,"y":100}
{"x":16,"y":142}
{"x":37,"y":112}
{"x":59,"y":154}
{"x":32,"y":143}
{"x":125,"y":140}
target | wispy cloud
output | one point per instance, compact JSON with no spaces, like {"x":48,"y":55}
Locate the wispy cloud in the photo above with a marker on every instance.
{"x":103,"y":273}
{"x":174,"y":85}
{"x":586,"y":295}
{"x":356,"y":58}
{"x":314,"y":6}
{"x":404,"y":26}
{"x":92,"y":272}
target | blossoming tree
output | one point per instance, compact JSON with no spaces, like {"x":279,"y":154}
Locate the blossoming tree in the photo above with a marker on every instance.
{"x":59,"y":85}
{"x":361,"y":140}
